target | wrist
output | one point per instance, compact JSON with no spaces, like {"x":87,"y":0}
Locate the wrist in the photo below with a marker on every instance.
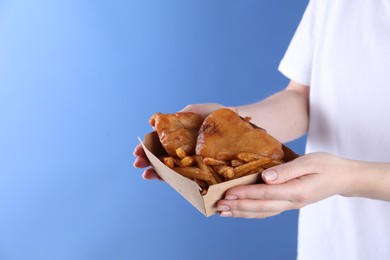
{"x":369,"y":180}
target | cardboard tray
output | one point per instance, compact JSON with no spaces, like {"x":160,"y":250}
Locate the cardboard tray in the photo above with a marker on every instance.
{"x":189,"y":189}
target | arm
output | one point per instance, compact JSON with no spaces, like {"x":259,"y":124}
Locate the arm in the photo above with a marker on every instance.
{"x":287,"y":109}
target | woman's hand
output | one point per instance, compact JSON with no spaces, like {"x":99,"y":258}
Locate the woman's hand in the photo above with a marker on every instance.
{"x":141,"y":161}
{"x":205,"y":109}
{"x":292,"y":185}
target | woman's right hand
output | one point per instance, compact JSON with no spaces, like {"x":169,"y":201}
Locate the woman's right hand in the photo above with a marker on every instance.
{"x":141,"y":161}
{"x":205,"y":109}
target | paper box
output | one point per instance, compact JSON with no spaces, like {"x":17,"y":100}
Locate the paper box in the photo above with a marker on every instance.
{"x":189,"y":189}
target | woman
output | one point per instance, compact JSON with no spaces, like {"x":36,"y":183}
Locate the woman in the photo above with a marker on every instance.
{"x":338,"y":63}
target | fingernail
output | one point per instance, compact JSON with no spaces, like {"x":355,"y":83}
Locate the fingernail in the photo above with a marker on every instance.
{"x":223,"y":208}
{"x":231,"y":197}
{"x":270,"y":175}
{"x":226,"y":214}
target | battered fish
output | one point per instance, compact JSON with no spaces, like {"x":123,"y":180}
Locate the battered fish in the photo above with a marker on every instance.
{"x":177,"y":130}
{"x":224,"y":134}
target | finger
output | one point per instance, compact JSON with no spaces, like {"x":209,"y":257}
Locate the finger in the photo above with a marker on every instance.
{"x":202,"y":109}
{"x":247,"y":214}
{"x":255,"y":205}
{"x":287,"y":171}
{"x":205,"y":109}
{"x":141,"y":162}
{"x":286,"y":191}
{"x":139,"y":151}
{"x":150,"y":174}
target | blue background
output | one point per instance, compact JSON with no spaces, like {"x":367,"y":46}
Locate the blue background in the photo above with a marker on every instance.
{"x":79,"y":81}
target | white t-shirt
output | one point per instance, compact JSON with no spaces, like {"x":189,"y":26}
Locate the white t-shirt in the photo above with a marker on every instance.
{"x":342,"y":51}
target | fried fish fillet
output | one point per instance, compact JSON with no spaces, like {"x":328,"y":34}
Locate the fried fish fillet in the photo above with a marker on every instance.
{"x":177,"y":130}
{"x":224,"y":134}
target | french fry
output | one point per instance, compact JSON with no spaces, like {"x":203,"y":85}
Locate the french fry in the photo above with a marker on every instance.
{"x":273,"y":163}
{"x":250,"y":166}
{"x":168,"y":161}
{"x":181,"y":153}
{"x":216,"y":176}
{"x":203,"y":166}
{"x":212,"y":180}
{"x":237,"y":162}
{"x":252,"y":171}
{"x":200,"y":163}
{"x":194,"y":173}
{"x":225,"y":171}
{"x":203,"y":191}
{"x":177,"y":161}
{"x":187,"y":161}
{"x":212,"y":161}
{"x":203,"y":186}
{"x":248,"y":157}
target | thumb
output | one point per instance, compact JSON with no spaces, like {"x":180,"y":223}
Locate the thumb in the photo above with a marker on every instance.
{"x":202,"y":109}
{"x":205,"y":109}
{"x":285,"y":172}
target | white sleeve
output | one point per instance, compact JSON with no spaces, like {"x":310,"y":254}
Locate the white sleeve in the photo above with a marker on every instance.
{"x":297,"y":61}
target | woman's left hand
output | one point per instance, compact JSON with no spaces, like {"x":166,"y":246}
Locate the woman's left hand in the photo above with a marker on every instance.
{"x":292,"y":185}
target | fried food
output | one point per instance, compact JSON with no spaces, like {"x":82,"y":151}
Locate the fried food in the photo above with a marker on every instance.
{"x":194,"y":173}
{"x":181,"y":153}
{"x":247,"y":157}
{"x":179,"y":130}
{"x":168,"y":161}
{"x":212,"y":161}
{"x":187,"y":161}
{"x":226,"y":171}
{"x":237,"y":162}
{"x":221,"y":147}
{"x":203,"y":166}
{"x":224,"y":134}
{"x":251,"y":166}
